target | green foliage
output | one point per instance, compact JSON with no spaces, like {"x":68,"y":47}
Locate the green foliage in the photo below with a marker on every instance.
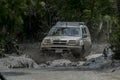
{"x":18,"y":15}
{"x":29,"y":19}
{"x":116,"y":42}
{"x":115,"y":37}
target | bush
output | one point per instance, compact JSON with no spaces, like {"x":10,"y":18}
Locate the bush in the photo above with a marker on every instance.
{"x":115,"y":42}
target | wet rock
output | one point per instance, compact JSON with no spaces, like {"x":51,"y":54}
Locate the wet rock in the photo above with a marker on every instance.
{"x":80,"y":63}
{"x":74,"y":64}
{"x":17,"y":62}
{"x":98,"y":62}
{"x":43,"y":65}
{"x":2,"y":77}
{"x":60,"y":63}
{"x":48,"y":63}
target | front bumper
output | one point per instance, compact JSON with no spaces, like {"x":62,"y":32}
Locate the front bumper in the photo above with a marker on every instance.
{"x":60,"y":49}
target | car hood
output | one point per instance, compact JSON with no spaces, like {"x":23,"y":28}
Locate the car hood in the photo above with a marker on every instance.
{"x":62,"y":38}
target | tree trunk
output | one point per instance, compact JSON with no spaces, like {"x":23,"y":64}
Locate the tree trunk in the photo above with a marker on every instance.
{"x":118,"y":8}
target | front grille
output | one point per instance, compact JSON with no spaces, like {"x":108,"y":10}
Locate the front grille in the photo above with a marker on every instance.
{"x":59,"y":47}
{"x":59,"y":42}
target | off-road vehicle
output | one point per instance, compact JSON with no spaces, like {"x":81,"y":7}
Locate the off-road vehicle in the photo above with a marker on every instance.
{"x":67,"y":37}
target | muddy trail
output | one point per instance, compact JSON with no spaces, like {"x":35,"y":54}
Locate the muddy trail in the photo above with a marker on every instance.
{"x":32,"y":58}
{"x":95,"y":68}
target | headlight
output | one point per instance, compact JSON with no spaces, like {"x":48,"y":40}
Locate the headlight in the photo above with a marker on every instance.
{"x":73,"y":42}
{"x":46,"y":41}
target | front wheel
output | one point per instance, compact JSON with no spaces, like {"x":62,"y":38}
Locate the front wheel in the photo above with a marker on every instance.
{"x":80,"y":54}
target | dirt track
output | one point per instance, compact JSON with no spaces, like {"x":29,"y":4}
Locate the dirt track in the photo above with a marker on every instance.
{"x":60,"y":73}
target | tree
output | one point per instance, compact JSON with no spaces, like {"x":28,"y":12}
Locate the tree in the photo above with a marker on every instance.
{"x":115,"y":38}
{"x":29,"y":19}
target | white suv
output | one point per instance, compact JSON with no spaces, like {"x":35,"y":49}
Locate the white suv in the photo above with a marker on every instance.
{"x":68,"y":37}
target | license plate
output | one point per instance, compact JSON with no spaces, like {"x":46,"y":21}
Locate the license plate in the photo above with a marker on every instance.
{"x":58,"y":50}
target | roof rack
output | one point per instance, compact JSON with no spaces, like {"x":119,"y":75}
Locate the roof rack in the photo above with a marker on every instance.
{"x":70,"y":23}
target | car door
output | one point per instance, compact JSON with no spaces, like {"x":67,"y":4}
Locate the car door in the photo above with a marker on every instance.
{"x":86,"y":38}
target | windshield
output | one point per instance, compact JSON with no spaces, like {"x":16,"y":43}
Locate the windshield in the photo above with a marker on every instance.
{"x":64,"y":31}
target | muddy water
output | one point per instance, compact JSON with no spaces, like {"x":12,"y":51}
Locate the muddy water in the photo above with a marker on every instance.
{"x":32,"y":74}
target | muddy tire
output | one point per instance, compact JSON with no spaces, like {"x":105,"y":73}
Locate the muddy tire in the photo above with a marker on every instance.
{"x":76,"y":55}
{"x":82,"y":54}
